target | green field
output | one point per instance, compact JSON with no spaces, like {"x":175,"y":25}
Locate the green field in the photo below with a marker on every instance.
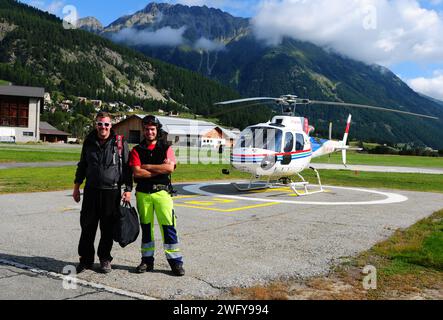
{"x":60,"y":178}
{"x":47,"y":153}
{"x":38,"y":153}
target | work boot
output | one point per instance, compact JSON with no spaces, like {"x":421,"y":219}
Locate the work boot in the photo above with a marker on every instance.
{"x":177,"y":270}
{"x":83,"y":266}
{"x":144,"y":267}
{"x":105,"y":266}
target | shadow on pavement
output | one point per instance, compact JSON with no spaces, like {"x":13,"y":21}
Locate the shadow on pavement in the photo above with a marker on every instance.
{"x":57,"y":266}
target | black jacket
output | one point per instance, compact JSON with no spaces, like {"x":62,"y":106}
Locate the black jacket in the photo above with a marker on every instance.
{"x":100,"y":164}
{"x":156,"y":156}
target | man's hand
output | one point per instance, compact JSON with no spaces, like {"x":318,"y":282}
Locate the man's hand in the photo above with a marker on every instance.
{"x":126,"y":197}
{"x":76,"y":195}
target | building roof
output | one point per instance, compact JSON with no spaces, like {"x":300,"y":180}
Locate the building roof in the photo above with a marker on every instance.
{"x":193,"y":127}
{"x":46,"y":128}
{"x":20,"y":91}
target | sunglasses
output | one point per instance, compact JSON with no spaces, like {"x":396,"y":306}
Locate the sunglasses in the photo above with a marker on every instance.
{"x":103,"y":124}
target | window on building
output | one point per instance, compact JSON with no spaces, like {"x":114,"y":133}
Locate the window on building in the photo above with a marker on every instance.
{"x":14,"y":112}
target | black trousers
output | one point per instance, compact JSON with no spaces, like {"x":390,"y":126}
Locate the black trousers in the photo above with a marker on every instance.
{"x":99,"y":206}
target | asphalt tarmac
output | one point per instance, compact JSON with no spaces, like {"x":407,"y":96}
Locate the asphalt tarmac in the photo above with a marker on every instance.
{"x":228,"y":239}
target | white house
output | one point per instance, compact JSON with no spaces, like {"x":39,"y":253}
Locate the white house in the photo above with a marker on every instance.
{"x":20,"y":113}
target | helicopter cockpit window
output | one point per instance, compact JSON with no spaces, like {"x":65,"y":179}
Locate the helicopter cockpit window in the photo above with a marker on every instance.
{"x":300,"y":144}
{"x":289,"y":142}
{"x":261,"y":138}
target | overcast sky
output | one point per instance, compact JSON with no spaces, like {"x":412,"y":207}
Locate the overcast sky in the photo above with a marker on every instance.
{"x":404,"y":35}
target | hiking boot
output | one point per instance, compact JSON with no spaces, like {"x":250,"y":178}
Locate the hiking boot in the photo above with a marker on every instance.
{"x":105,"y":266}
{"x":178,"y":270}
{"x":144,"y":267}
{"x":83,"y":266}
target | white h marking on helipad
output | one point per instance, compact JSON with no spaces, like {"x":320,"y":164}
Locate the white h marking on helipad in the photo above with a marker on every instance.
{"x":390,"y":197}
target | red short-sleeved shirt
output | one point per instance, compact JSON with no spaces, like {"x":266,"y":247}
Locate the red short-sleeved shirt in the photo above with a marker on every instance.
{"x":134,"y":158}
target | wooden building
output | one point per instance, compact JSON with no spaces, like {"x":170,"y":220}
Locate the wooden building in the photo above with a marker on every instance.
{"x":50,"y":134}
{"x":180,"y":131}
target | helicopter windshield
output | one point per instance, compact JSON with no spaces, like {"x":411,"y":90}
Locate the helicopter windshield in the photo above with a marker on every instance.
{"x":261,"y":138}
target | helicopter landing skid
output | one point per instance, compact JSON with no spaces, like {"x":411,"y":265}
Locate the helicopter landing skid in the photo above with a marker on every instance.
{"x":256,"y":184}
{"x":304,"y":184}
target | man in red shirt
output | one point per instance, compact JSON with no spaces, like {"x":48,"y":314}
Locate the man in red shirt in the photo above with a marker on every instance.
{"x":152,"y":162}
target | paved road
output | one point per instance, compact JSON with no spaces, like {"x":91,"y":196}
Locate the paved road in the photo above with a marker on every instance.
{"x":12,"y":165}
{"x":377,"y":168}
{"x":226,"y":241}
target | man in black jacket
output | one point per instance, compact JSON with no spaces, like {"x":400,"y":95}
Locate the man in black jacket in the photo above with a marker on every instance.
{"x":105,"y":172}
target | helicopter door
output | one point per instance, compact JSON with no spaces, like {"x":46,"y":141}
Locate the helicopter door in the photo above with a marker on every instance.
{"x":289,"y":147}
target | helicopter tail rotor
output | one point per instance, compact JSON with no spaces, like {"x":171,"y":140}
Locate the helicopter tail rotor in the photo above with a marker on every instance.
{"x":345,"y":140}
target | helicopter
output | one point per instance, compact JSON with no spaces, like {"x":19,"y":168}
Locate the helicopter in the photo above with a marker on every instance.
{"x":282,"y":148}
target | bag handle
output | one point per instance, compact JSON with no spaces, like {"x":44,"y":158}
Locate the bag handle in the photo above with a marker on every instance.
{"x":126,"y":204}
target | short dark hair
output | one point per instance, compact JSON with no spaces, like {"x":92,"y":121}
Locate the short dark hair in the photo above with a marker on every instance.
{"x":103,"y":114}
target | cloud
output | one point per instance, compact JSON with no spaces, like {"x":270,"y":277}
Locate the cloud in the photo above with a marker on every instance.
{"x":161,"y":37}
{"x":432,"y":87}
{"x":373,"y":31}
{"x":208,"y":45}
{"x":53,"y":7}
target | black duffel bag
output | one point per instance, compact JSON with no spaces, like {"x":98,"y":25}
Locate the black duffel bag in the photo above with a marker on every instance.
{"x":127,"y":226}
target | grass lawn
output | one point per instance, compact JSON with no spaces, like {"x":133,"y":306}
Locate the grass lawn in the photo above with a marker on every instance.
{"x":60,"y":178}
{"x":47,"y":153}
{"x":38,"y":153}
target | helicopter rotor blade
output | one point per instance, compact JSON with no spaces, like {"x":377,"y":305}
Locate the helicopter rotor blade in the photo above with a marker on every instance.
{"x":343,"y":104}
{"x":239,"y":107}
{"x":248,"y":100}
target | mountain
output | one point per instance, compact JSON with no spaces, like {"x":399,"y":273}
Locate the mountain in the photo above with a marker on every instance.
{"x":37,"y":50}
{"x":224,"y":48}
{"x":90,"y":24}
{"x":200,"y":22}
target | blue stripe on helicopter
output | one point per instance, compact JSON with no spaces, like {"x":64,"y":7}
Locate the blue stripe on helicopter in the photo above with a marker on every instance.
{"x":317,"y":143}
{"x":259,"y":159}
{"x":297,"y":156}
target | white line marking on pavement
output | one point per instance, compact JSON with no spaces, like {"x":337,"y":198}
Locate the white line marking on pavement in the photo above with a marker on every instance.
{"x":78,"y":281}
{"x":390,"y":197}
